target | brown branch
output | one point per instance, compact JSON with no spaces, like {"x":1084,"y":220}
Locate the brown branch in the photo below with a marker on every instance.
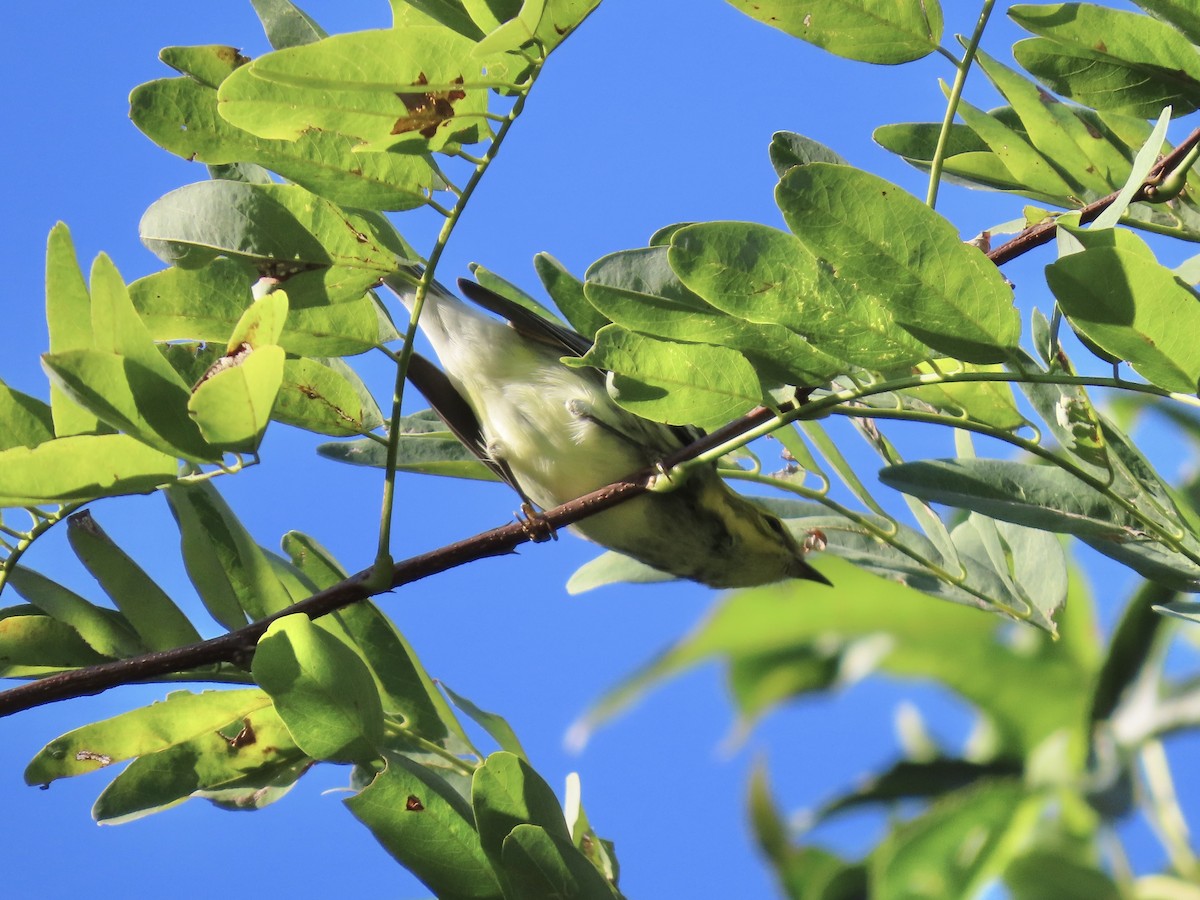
{"x":1043,"y":232}
{"x":237,"y":646}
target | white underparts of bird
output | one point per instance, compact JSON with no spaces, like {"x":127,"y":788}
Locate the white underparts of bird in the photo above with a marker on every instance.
{"x":554,"y":433}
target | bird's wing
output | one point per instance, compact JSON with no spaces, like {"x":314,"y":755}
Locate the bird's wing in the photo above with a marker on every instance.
{"x":452,"y":409}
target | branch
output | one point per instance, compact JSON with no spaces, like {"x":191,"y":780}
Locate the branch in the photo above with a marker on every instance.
{"x":238,"y":646}
{"x":1043,"y":232}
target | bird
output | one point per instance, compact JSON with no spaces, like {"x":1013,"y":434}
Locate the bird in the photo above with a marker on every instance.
{"x":553,"y":433}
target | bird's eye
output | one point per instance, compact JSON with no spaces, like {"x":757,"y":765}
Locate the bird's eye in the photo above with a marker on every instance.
{"x":776,"y":526}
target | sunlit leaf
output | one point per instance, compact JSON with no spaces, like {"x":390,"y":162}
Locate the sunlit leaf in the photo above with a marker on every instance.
{"x":876,"y":31}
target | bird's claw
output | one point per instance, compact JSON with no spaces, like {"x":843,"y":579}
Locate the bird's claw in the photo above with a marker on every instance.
{"x":535,"y":525}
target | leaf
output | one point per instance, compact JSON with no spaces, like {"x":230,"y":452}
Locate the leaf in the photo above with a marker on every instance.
{"x":543,"y":865}
{"x":181,"y":116}
{"x":321,"y":689}
{"x":329,"y":312}
{"x":1031,"y":495}
{"x":428,"y":454}
{"x":37,"y":645}
{"x":325,"y":396}
{"x":957,"y":846}
{"x":81,"y":467}
{"x":24,"y":421}
{"x":968,"y":653}
{"x":276,"y":223}
{"x":638,"y":290}
{"x":507,"y":792}
{"x":899,"y":253}
{"x":415,"y":88}
{"x":875,"y":31}
{"x":208,"y":65}
{"x":613,"y":568}
{"x":568,"y":295}
{"x":427,"y":828}
{"x":233,"y":406}
{"x":790,"y":149}
{"x":286,"y":24}
{"x":255,"y":749}
{"x":1140,"y":65}
{"x":680,"y":384}
{"x":1130,"y":306}
{"x":182,"y":716}
{"x":988,"y":402}
{"x":128,"y":395}
{"x":229,"y":571}
{"x":1180,"y":13}
{"x":496,"y":726}
{"x":68,"y":317}
{"x":158,"y":621}
{"x":1048,"y":875}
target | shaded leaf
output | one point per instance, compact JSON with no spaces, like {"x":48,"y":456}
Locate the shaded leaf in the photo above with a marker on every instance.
{"x":321,"y":689}
{"x":1140,"y":66}
{"x":154,"y":616}
{"x":428,"y":828}
{"x":24,"y":421}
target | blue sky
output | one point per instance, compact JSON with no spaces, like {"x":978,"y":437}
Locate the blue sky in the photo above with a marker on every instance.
{"x":653,"y":113}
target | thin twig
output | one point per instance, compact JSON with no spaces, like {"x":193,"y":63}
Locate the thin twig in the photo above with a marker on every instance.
{"x":1043,"y":232}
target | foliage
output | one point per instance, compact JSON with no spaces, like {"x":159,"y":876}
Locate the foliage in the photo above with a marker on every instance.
{"x":868,"y":307}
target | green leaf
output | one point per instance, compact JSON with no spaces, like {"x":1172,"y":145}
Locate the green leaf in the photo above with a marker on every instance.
{"x":278,"y":223}
{"x":1140,"y":65}
{"x":680,"y":384}
{"x":1047,"y":875}
{"x":790,"y":149}
{"x":69,"y":318}
{"x":179,"y":718}
{"x":232,"y":407}
{"x":24,"y":421}
{"x":805,"y":873}
{"x":988,"y":402}
{"x":255,"y":748}
{"x":1032,"y":495}
{"x":230,"y":572}
{"x":638,"y":290}
{"x":896,"y":629}
{"x":209,"y":65}
{"x":132,"y":397}
{"x":32,"y":645}
{"x":899,"y":253}
{"x":415,"y":88}
{"x":329,"y":313}
{"x":82,"y":467}
{"x":451,"y":13}
{"x":440,"y":453}
{"x":158,"y":621}
{"x":957,"y":846}
{"x":1121,"y":299}
{"x":613,"y":568}
{"x":104,"y":631}
{"x":180,"y":115}
{"x":507,"y":792}
{"x":1078,"y":155}
{"x":545,"y":866}
{"x":429,"y":828}
{"x":875,"y":31}
{"x":1180,"y":13}
{"x":510,"y":291}
{"x":286,"y":24}
{"x":496,"y":726}
{"x":568,"y":295}
{"x":325,"y":396}
{"x":321,"y":689}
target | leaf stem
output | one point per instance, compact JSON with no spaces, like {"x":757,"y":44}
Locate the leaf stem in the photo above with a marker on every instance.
{"x":41,"y":525}
{"x":383,"y":558}
{"x":960,"y":79}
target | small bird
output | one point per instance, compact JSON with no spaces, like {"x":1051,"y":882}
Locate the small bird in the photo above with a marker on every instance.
{"x":554,"y":433}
